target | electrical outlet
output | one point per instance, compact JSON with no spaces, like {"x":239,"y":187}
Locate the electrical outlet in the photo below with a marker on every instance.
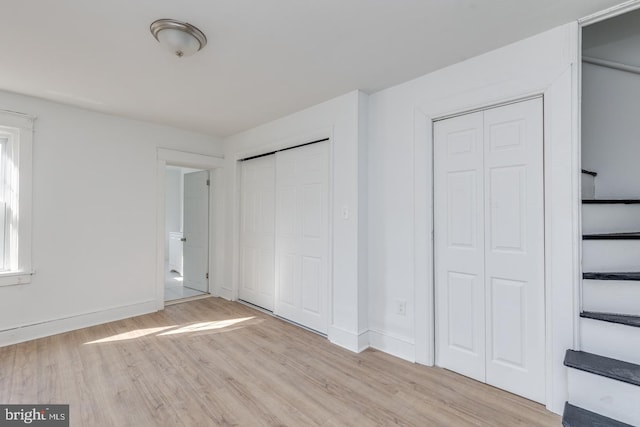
{"x":401,"y":307}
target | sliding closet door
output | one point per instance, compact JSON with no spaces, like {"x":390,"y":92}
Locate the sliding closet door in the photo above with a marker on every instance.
{"x":302,"y":235}
{"x":257,"y":232}
{"x":489,"y":247}
{"x":514,"y":248}
{"x":459,"y":245}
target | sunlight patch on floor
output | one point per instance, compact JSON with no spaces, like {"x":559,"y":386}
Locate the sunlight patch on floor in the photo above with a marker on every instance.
{"x":131,"y":335}
{"x":206,"y":326}
{"x":173,"y":330}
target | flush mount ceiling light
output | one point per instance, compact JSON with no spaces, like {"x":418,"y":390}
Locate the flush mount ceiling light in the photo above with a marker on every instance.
{"x":180,"y":38}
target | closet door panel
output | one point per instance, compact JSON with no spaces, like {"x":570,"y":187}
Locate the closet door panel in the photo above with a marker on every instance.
{"x":514,"y":248}
{"x":459,"y":245}
{"x":302,"y":235}
{"x":257,"y":232}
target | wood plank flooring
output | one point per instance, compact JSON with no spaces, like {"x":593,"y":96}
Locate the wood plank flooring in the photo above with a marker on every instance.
{"x":212,"y":362}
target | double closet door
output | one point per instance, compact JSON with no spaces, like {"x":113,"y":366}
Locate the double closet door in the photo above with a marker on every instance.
{"x":489,"y":247}
{"x":284,"y":234}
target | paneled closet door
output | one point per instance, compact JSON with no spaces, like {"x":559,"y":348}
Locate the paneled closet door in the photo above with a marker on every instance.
{"x":489,"y":247}
{"x":514,"y":248}
{"x":459,"y":245}
{"x":257,"y":232}
{"x":302,"y":235}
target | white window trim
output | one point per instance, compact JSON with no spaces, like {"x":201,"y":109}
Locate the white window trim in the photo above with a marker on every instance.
{"x":22,"y":124}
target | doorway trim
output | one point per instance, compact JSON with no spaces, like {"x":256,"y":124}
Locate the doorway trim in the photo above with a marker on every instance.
{"x":602,"y":15}
{"x":561,"y":214}
{"x":215,"y":165}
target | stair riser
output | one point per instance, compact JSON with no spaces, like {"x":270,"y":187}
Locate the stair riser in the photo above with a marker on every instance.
{"x":610,"y":255}
{"x":612,"y":340}
{"x":611,"y":398}
{"x":588,"y":187}
{"x":611,"y":296}
{"x":615,"y":218}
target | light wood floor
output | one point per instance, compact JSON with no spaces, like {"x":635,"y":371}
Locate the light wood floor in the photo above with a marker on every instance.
{"x":212,"y":362}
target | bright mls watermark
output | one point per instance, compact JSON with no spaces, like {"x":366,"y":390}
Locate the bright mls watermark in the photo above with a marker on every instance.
{"x":34,"y":415}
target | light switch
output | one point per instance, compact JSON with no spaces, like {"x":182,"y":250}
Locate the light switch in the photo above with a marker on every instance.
{"x":345,"y":212}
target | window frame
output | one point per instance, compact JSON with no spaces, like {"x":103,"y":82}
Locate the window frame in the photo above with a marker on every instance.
{"x":19,"y":129}
{"x":5,"y":180}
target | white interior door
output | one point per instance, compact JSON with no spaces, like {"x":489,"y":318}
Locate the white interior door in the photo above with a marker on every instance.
{"x":489,"y":243}
{"x":302,"y":235}
{"x":459,"y":244}
{"x":196,"y":231}
{"x":257,"y":232}
{"x":514,"y":248}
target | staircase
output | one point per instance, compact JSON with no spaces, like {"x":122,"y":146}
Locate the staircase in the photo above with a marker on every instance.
{"x":604,"y":378}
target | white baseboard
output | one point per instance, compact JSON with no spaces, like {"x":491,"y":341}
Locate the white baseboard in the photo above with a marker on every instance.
{"x":394,"y":345}
{"x":214,"y":289}
{"x":350,"y":341}
{"x":58,"y":326}
{"x":363,"y":341}
{"x":225,"y":293}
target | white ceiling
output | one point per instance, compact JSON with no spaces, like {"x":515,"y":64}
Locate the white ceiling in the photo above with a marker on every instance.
{"x":616,"y":39}
{"x":264,"y":58}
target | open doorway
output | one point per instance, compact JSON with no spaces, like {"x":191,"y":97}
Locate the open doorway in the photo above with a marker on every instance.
{"x":186,"y":233}
{"x":610,"y":185}
{"x":215,"y":235}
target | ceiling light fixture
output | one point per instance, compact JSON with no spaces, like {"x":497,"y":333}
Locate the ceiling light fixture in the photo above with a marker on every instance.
{"x":181,"y":38}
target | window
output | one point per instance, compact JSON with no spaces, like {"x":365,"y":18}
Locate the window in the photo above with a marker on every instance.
{"x":16,"y":134}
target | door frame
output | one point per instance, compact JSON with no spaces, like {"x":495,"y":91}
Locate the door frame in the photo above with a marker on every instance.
{"x":561,"y":211}
{"x":215,"y":165}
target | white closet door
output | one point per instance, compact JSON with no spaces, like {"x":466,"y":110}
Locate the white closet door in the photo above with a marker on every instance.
{"x":302,"y":241}
{"x":514,"y":248}
{"x":459,"y":245}
{"x":257,"y":232}
{"x":489,"y":247}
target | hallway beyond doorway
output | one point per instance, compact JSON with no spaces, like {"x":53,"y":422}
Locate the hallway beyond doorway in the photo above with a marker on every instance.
{"x":174,"y":289}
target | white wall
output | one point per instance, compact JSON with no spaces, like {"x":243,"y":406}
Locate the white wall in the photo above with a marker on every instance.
{"x":337,"y":119}
{"x":400,"y":170}
{"x":94,"y":217}
{"x":611,"y":130}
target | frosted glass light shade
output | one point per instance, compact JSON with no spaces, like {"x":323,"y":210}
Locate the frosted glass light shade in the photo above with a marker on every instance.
{"x":178,"y":42}
{"x":180,"y":38}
